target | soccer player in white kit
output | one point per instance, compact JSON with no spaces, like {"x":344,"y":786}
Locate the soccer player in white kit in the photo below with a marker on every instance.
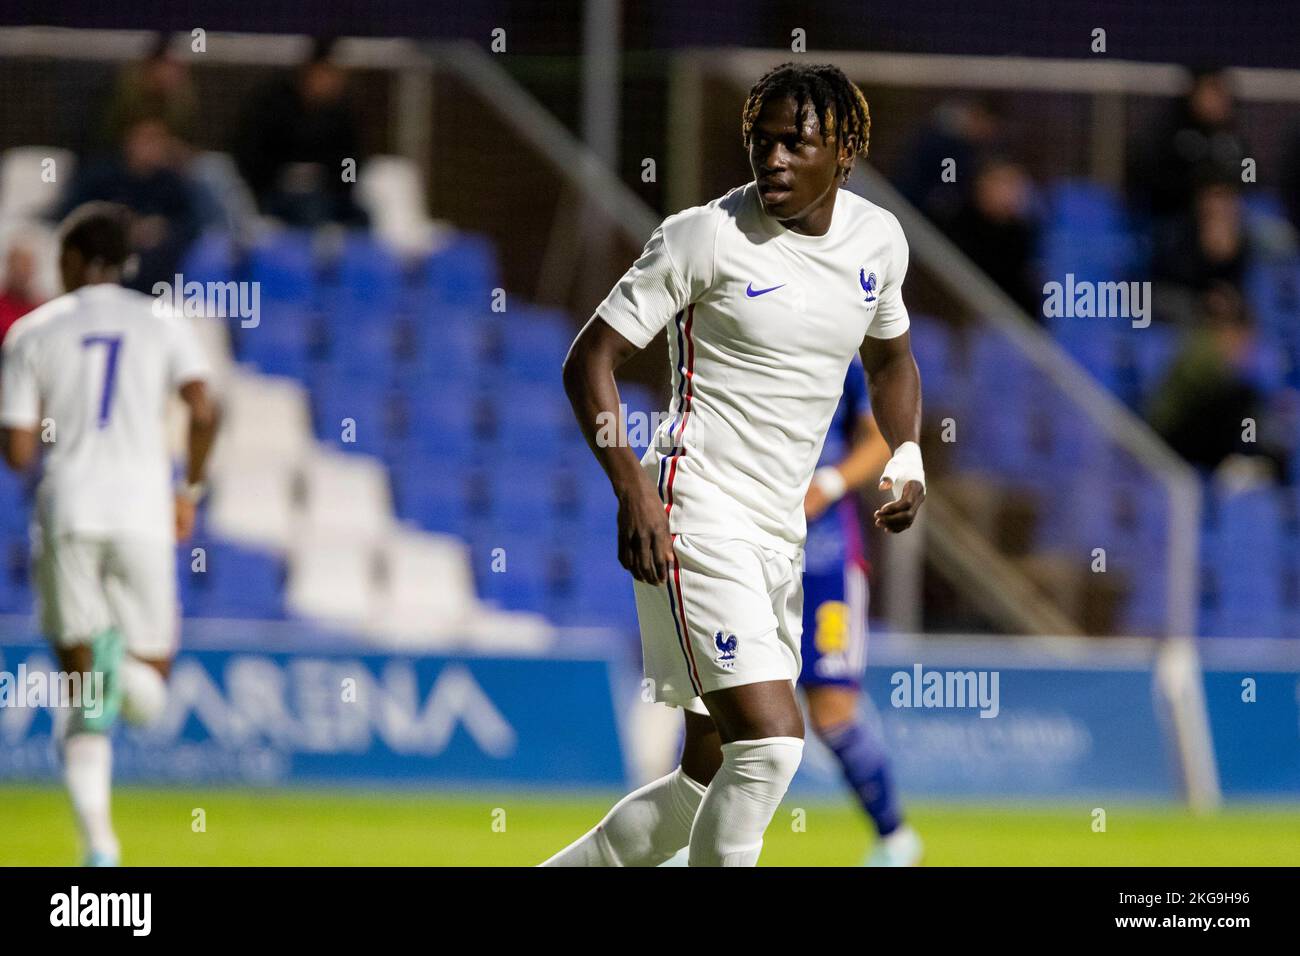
{"x":766,"y":292}
{"x":90,"y":375}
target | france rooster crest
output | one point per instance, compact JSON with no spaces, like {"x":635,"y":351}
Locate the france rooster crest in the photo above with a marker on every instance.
{"x":868,"y":283}
{"x":726,"y":649}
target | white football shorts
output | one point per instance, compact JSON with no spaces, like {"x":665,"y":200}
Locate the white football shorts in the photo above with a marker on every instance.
{"x":87,"y":585}
{"x":731,"y":613}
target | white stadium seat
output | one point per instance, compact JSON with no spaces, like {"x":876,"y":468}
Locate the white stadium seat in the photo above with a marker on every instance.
{"x":427,"y":590}
{"x":254,"y":504}
{"x":390,"y":190}
{"x":331,"y":579}
{"x":24,"y":191}
{"x":347,"y":495}
{"x":264,"y":418}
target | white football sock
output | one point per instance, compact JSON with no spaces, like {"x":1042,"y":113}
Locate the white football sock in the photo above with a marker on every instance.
{"x":742,"y":799}
{"x":88,"y":773}
{"x":144,"y":692}
{"x":645,"y":828}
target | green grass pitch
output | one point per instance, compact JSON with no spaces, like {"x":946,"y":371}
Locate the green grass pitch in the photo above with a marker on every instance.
{"x":310,"y":827}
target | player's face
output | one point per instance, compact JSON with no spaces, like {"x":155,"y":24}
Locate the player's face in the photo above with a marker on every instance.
{"x":794,"y":166}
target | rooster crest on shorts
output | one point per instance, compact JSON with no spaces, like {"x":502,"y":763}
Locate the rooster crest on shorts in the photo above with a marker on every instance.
{"x":726,"y":649}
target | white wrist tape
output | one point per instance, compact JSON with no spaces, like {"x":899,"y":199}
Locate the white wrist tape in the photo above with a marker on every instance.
{"x":905,"y":466}
{"x":830,"y":483}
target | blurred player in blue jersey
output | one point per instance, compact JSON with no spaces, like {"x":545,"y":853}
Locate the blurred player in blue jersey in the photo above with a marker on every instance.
{"x":835,"y":617}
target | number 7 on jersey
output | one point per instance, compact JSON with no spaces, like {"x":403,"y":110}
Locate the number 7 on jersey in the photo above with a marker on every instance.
{"x":113,"y":344}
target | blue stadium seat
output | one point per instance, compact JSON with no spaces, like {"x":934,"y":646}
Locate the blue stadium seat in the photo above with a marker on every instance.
{"x":364,"y":352}
{"x":15,"y":508}
{"x":1244,"y":556}
{"x":438,"y":495}
{"x":535,"y":344}
{"x":450,"y":435}
{"x":525,"y":580}
{"x":210,"y":258}
{"x":600,"y":593}
{"x":1084,"y":202}
{"x":237,"y":582}
{"x":15,"y":574}
{"x":367,"y":411}
{"x":463,"y":273}
{"x":1087,"y":233}
{"x":283,"y":264}
{"x":370,"y":275}
{"x":933,"y":347}
{"x":454,"y":347}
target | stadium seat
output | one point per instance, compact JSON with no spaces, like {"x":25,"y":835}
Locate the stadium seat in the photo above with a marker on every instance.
{"x":346,"y":496}
{"x":254,"y":504}
{"x":1245,"y":561}
{"x":282,"y":343}
{"x":366,"y":352}
{"x":284,"y":266}
{"x":436,"y":495}
{"x":535,"y":344}
{"x":427,"y":584}
{"x":512,"y":570}
{"x":14,"y":505}
{"x":353,"y":416}
{"x":20,"y":167}
{"x":533,"y":416}
{"x":235,"y":582}
{"x":366,"y":286}
{"x":463,"y":272}
{"x":210,"y":258}
{"x":391,"y":190}
{"x":264,"y":419}
{"x":332,"y":578}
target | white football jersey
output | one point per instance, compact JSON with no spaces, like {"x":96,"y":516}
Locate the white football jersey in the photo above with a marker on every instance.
{"x":94,"y":370}
{"x":762,"y":324}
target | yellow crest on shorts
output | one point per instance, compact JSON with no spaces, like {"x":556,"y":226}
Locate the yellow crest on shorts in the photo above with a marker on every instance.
{"x":832,"y":635}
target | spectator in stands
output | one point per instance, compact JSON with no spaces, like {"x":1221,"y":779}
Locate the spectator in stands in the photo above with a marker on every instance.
{"x":1197,"y":142}
{"x":998,"y":229}
{"x":1204,"y":247}
{"x":157,"y":87}
{"x":142,"y":176}
{"x":965,"y":131}
{"x":1208,"y":393}
{"x":294,"y":141}
{"x":19,"y":293}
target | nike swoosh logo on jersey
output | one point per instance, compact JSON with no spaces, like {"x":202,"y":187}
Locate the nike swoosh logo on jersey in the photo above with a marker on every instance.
{"x":752,"y":292}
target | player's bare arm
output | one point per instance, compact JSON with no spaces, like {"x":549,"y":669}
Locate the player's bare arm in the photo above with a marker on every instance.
{"x":644,"y":542}
{"x":20,"y":447}
{"x":202,"y":432}
{"x":895,"y":386}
